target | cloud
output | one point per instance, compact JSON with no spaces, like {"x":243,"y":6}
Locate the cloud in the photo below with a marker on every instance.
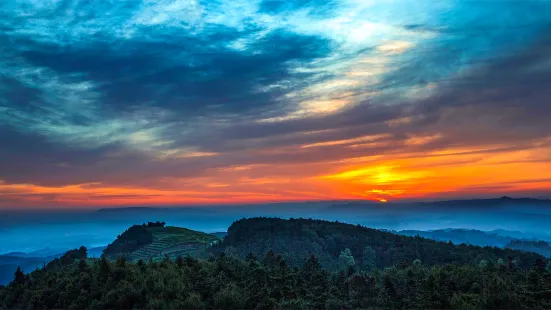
{"x":135,"y":93}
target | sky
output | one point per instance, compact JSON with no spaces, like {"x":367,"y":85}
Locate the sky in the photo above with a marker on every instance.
{"x":175,"y":102}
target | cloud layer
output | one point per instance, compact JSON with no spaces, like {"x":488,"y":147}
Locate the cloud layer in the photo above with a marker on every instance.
{"x":187,"y":101}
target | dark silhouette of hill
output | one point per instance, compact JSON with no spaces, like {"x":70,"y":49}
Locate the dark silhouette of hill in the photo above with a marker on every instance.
{"x":451,"y":204}
{"x":541,"y":247}
{"x":459,"y":235}
{"x":32,"y":260}
{"x":154,"y":240}
{"x":297,"y":239}
{"x":452,"y":278}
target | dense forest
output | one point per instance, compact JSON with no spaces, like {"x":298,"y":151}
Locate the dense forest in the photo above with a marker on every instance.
{"x":297,"y":239}
{"x":225,"y":282}
{"x":293,"y":264}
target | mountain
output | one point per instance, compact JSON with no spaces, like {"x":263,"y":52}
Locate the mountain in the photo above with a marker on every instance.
{"x":458,"y":236}
{"x":540,"y":247}
{"x":10,"y":262}
{"x":154,"y":240}
{"x":460,"y":203}
{"x":297,"y":239}
{"x":492,"y":202}
{"x":501,"y":238}
{"x":16,"y":254}
{"x":96,"y":251}
{"x":32,"y":260}
{"x":220,"y":234}
{"x":418,"y":274}
{"x":130,"y":209}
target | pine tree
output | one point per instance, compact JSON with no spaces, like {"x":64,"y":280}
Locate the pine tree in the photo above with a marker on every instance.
{"x":346,"y":260}
{"x":179,"y":261}
{"x":19,"y":276}
{"x":104,"y":268}
{"x":369,"y":259}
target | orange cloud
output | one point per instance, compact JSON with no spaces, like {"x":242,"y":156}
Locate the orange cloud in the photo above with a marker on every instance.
{"x":441,"y":173}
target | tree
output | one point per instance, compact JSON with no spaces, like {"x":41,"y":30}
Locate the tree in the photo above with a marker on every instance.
{"x":270,"y":258}
{"x":121,"y":261}
{"x":82,"y":253}
{"x":19,"y":276}
{"x":548,"y":268}
{"x":539,"y":265}
{"x":82,"y":265}
{"x":104,"y":268}
{"x":346,"y":260}
{"x":179,"y":261}
{"x":369,"y":259}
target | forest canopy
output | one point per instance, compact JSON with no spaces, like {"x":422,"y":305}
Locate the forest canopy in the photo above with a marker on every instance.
{"x":348,"y":267}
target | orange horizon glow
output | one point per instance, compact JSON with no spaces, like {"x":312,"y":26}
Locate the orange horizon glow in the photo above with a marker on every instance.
{"x":442,"y":173}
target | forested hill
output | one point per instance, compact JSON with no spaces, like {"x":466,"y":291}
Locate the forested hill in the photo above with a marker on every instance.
{"x":541,"y":247}
{"x":297,"y":239}
{"x":225,"y":282}
{"x":153,"y":241}
{"x":477,"y":278}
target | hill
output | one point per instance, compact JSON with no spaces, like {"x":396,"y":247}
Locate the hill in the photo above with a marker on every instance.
{"x":154,"y":241}
{"x":458,"y":236}
{"x":541,"y":247}
{"x":483,"y":238}
{"x":219,"y":234}
{"x":491,"y":203}
{"x":9,"y":263}
{"x":297,"y":239}
{"x":32,"y":260}
{"x":74,"y":281}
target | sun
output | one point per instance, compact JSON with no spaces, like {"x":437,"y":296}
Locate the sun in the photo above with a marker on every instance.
{"x":382,"y":200}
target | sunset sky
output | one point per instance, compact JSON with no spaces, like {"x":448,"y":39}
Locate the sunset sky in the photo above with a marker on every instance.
{"x":175,"y":102}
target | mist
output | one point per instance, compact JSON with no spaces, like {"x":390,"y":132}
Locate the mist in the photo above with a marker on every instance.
{"x":28,"y":231}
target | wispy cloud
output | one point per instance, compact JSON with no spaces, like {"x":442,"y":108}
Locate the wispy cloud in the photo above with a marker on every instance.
{"x":277,"y":100}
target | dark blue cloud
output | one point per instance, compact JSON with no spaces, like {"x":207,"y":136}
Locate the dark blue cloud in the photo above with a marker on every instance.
{"x":81,"y":81}
{"x":187,"y":74}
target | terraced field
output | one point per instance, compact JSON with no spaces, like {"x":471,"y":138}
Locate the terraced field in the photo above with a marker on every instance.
{"x":173,"y":241}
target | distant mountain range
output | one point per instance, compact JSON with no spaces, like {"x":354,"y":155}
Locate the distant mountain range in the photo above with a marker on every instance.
{"x":458,"y":236}
{"x":32,"y":260}
{"x":490,"y":202}
{"x":461,"y":203}
{"x":500,"y":222}
{"x":174,"y":241}
{"x":499,"y":238}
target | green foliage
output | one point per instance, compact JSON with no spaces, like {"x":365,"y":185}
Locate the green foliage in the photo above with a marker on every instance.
{"x":297,"y":239}
{"x":154,"y":240}
{"x":129,"y":241}
{"x":230,"y":283}
{"x":346,"y":260}
{"x":19,"y":277}
{"x":369,"y":259}
{"x":450,"y":277}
